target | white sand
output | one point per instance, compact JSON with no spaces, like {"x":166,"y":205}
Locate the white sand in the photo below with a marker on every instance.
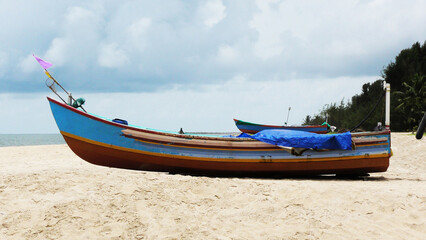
{"x":46,"y":192}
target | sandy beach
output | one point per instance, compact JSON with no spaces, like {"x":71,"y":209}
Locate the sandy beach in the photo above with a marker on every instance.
{"x":47,"y":192}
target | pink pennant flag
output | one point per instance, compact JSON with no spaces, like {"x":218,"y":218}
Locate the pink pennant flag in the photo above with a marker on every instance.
{"x":43,"y":63}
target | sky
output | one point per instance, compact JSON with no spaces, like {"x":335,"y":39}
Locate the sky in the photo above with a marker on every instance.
{"x":197,"y":64}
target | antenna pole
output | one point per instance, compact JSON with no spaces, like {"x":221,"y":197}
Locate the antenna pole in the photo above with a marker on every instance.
{"x":288,"y":114}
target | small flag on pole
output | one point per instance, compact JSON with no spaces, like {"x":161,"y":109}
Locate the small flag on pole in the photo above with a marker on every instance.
{"x":45,"y":65}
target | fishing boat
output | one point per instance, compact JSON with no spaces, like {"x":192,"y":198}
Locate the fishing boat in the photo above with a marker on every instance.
{"x":116,"y":143}
{"x":251,"y":128}
{"x":110,"y":143}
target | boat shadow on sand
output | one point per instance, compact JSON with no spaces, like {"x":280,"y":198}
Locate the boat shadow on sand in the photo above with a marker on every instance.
{"x":283,"y":176}
{"x":279,"y":176}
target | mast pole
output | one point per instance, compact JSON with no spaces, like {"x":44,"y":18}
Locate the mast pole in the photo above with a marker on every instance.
{"x":387,"y":114}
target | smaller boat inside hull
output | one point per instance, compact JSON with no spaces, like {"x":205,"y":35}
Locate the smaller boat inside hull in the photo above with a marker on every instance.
{"x":252,"y":128}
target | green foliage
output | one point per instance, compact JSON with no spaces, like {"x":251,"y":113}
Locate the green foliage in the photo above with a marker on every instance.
{"x":408,"y":97}
{"x":347,"y":115}
{"x":409,"y":67}
{"x":409,"y":62}
{"x":412,"y":101}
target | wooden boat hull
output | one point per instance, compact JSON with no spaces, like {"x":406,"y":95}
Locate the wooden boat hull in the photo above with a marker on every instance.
{"x":103,"y":142}
{"x":251,"y":128}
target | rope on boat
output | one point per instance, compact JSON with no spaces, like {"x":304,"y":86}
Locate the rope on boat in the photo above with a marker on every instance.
{"x":369,"y":114}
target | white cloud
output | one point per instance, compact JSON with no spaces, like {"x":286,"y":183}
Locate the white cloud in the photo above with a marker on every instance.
{"x":207,"y":42}
{"x":334,"y":31}
{"x":139,"y":28}
{"x":137,"y":33}
{"x":76,"y":15}
{"x":3,"y":58}
{"x":28,"y":64}
{"x":111,"y":56}
{"x":59,"y":51}
{"x":79,"y":41}
{"x":270,"y":29}
{"x":3,"y":62}
{"x":227,"y":54}
{"x":212,"y":12}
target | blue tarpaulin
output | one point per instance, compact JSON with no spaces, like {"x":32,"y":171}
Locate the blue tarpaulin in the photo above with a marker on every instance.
{"x":300,"y":139}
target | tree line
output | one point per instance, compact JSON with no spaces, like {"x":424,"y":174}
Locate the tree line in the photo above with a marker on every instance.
{"x":408,"y":97}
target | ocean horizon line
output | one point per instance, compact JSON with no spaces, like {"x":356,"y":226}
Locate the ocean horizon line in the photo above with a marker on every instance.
{"x":30,"y":139}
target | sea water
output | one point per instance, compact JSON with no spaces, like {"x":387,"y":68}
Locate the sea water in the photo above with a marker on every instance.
{"x":7,"y":140}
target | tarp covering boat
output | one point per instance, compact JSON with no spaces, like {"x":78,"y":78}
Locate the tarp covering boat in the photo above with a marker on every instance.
{"x":299,"y":139}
